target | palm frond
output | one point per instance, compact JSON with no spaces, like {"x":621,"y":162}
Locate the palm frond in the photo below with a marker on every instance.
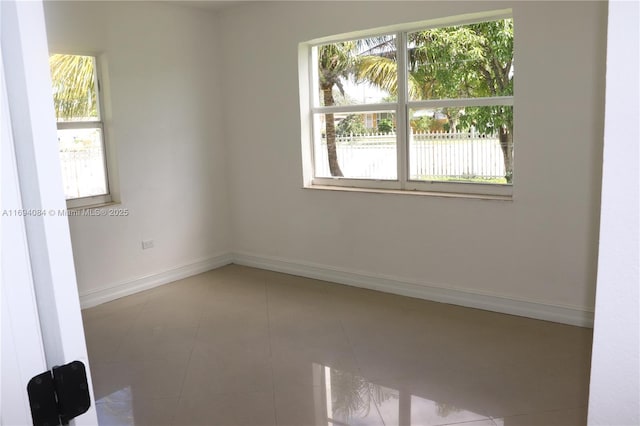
{"x":74,"y":92}
{"x":380,"y":71}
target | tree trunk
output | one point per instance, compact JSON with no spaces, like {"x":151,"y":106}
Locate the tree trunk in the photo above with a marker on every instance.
{"x":330,"y":128}
{"x":506,"y":143}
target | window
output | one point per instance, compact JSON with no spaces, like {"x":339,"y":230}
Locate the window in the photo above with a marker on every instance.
{"x":428,"y":108}
{"x":81,"y":140}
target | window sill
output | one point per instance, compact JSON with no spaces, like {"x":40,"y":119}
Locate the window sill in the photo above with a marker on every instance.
{"x":90,"y":202}
{"x":412,"y":192}
{"x":95,"y":206}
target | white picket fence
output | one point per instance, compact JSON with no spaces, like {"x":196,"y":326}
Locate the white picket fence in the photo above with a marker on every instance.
{"x":432,"y":156}
{"x":83,"y":172}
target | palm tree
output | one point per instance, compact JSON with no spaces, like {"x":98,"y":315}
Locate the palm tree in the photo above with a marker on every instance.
{"x":456,"y":62}
{"x":335,"y":62}
{"x":354,"y":396}
{"x":74,"y":91}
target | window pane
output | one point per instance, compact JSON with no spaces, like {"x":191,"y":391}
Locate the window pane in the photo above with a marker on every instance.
{"x":74,"y":87}
{"x":472,"y":144}
{"x":357,"y":145}
{"x":82,"y":162}
{"x":357,"y":72}
{"x":465,"y":61}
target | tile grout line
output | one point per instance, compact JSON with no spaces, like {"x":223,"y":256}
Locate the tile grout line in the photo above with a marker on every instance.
{"x":555,"y":410}
{"x":346,"y":335}
{"x":355,"y":358}
{"x":186,"y":370}
{"x":344,"y":315}
{"x":128,"y":331}
{"x":273,"y":374}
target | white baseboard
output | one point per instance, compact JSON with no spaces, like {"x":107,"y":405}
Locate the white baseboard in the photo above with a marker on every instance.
{"x":490,"y":302}
{"x":473,"y":299}
{"x":126,"y":288}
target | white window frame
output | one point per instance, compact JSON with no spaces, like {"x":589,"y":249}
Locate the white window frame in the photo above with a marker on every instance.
{"x":310,"y":106}
{"x":102,"y":199}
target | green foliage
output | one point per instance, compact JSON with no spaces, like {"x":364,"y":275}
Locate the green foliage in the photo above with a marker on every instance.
{"x":385,"y":125}
{"x":442,"y":62}
{"x":336,"y":62}
{"x":487,"y":120}
{"x":466,"y":62}
{"x":381,"y":71}
{"x":422,"y":124}
{"x":353,"y":396}
{"x":74,"y":92}
{"x":351,"y":124}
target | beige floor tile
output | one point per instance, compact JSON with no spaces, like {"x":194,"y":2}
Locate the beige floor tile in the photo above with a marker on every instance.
{"x":115,"y":413}
{"x":240,"y":276}
{"x":300,"y":405}
{"x":112,"y":382}
{"x":571,"y":417}
{"x":156,"y":412}
{"x":244,"y":341}
{"x":105,"y":334}
{"x":157,"y":343}
{"x":291,"y":290}
{"x":300,"y":368}
{"x":358,"y":401}
{"x":239,"y":346}
{"x":212,"y":372}
{"x":229,"y":307}
{"x":235,"y":300}
{"x":309,"y":333}
{"x":167,"y":314}
{"x":398,"y":406}
{"x":240,"y":409}
{"x":122,"y":306}
{"x":148,"y":379}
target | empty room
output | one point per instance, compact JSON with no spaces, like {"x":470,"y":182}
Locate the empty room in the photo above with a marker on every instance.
{"x":325,"y":212}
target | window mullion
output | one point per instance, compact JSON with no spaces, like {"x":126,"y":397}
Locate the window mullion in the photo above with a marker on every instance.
{"x":402,"y":125}
{"x":313,"y":101}
{"x":64,"y":125}
{"x":462,"y":102}
{"x":334,"y":109}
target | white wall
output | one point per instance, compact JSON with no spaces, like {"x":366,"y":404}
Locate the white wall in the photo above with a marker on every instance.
{"x":615,"y":369}
{"x":205,"y":118}
{"x":165,"y":126}
{"x":541,"y":247}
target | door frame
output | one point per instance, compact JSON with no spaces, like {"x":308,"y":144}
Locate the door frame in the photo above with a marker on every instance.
{"x":28,"y":85}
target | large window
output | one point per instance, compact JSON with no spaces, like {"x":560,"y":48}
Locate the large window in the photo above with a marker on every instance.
{"x":428,"y":108}
{"x":81,"y":142}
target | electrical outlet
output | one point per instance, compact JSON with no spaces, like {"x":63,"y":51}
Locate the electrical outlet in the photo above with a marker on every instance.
{"x":147,"y":244}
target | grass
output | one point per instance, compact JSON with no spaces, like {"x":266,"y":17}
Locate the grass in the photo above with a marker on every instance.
{"x":502,"y":181}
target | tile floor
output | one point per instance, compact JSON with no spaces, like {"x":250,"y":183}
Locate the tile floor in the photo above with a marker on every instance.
{"x":242,"y":346}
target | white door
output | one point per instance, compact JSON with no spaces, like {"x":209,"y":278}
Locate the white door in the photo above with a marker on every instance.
{"x":41,"y":320}
{"x":22,"y":351}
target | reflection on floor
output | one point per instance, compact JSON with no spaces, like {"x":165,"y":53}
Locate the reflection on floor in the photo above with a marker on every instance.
{"x":241,"y":346}
{"x":116,"y":408}
{"x":354,"y":400}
